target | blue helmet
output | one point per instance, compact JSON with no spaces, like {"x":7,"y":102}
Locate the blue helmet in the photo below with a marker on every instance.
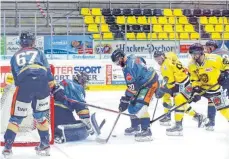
{"x":26,"y":39}
{"x":212,"y":43}
{"x":196,"y":48}
{"x":117,"y":54}
{"x":82,"y":78}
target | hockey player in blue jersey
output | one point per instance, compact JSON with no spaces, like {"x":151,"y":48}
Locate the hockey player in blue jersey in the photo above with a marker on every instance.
{"x":33,"y":78}
{"x":213,"y":48}
{"x":142,"y":82}
{"x":66,"y":93}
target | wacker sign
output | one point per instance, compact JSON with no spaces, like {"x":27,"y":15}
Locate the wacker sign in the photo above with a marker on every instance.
{"x":144,"y":47}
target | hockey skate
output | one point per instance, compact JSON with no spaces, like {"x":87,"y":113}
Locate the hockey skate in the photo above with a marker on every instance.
{"x":144,"y":135}
{"x":7,"y":153}
{"x":210,"y":124}
{"x":201,"y":120}
{"x":166,"y":121}
{"x":132,"y":131}
{"x":176,"y":130}
{"x":42,"y":150}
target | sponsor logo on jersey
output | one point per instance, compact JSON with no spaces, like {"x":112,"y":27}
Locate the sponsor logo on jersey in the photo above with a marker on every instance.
{"x":208,"y":69}
{"x":128,"y":77}
{"x":217,"y":101}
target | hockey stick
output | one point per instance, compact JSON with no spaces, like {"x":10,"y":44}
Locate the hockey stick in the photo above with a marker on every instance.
{"x":155,"y":109}
{"x":188,"y":101}
{"x":104,"y":141}
{"x":98,"y":107}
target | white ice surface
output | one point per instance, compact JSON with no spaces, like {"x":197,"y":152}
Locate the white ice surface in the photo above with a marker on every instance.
{"x":195,"y":144}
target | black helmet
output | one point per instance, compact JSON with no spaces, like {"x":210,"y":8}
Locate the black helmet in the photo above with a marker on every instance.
{"x":82,"y":78}
{"x":117,"y":54}
{"x":196,"y":48}
{"x":211,"y":43}
{"x":26,"y":39}
{"x":158,"y":53}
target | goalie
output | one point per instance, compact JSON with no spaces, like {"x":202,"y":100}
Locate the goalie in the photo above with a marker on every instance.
{"x":69,"y":96}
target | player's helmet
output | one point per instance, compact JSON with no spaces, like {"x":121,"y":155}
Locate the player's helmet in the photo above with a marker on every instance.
{"x":82,"y":78}
{"x":211,"y":43}
{"x":116,"y":55}
{"x":158,"y":53}
{"x":26,"y":39}
{"x":196,"y":48}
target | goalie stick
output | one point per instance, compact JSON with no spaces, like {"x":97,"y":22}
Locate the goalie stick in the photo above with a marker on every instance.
{"x":104,"y":141}
{"x":188,"y":101}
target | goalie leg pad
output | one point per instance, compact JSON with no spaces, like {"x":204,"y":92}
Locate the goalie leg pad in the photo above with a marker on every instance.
{"x":69,"y":133}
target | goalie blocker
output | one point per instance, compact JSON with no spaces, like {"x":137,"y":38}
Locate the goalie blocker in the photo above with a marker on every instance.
{"x":77,"y":131}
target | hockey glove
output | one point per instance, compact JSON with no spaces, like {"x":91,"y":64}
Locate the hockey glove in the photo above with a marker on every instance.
{"x":224,"y":79}
{"x":195,"y":94}
{"x":58,"y":93}
{"x":124,"y":103}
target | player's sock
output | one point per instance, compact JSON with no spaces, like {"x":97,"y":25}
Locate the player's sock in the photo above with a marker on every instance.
{"x":44,"y":137}
{"x":10,"y":135}
{"x":135,"y":126}
{"x":190,"y":111}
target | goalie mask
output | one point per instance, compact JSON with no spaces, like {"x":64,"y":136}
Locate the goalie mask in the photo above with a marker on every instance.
{"x":82,"y":78}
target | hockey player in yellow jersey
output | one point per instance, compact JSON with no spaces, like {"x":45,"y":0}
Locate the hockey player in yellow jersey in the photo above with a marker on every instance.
{"x":206,"y":70}
{"x":176,"y":83}
{"x":167,"y":98}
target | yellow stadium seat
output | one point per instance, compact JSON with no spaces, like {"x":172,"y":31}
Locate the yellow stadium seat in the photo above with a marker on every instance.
{"x":209,"y":28}
{"x":219,"y":28}
{"x":194,"y":35}
{"x":162,"y":36}
{"x":223,"y":20}
{"x":226,"y":36}
{"x":162,"y":20}
{"x":85,"y":11}
{"x":97,"y":36}
{"x":168,"y":28}
{"x":108,"y":36}
{"x":183,"y":20}
{"x":104,"y":28}
{"x":93,"y":28}
{"x":216,"y":36}
{"x":189,"y":28}
{"x":168,"y":12}
{"x":152,"y":36}
{"x":213,"y":20}
{"x":179,"y":28}
{"x":99,"y":20}
{"x":173,"y":36}
{"x":131,"y":20}
{"x":177,"y":12}
{"x":172,"y":20}
{"x":157,"y":28}
{"x":184,"y":36}
{"x":89,"y":20}
{"x":152,"y":20}
{"x":142,"y":20}
{"x":226,"y":28}
{"x":130,"y":36}
{"x":203,"y":20}
{"x":96,"y":11}
{"x":120,"y":20}
{"x":141,"y":36}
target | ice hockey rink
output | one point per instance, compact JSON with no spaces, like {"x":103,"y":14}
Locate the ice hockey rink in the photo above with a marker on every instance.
{"x":196,"y":143}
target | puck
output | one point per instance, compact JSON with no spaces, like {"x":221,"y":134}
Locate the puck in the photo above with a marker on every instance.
{"x":114,"y":135}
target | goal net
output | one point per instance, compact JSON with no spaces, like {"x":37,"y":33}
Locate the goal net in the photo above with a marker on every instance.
{"x":27,"y":135}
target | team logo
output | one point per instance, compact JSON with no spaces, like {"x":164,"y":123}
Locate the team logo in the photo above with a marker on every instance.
{"x":204,"y":78}
{"x":208,"y":69}
{"x":128,"y":77}
{"x":217,"y":101}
